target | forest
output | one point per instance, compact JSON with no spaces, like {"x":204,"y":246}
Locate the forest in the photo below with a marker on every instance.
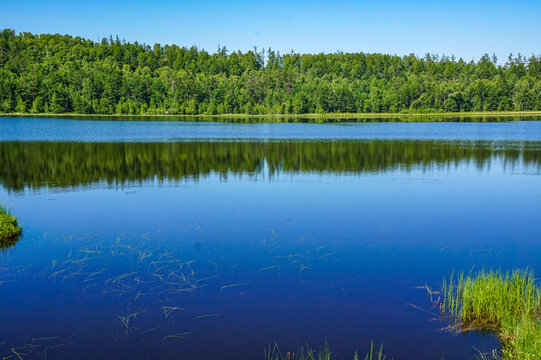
{"x":64,"y":74}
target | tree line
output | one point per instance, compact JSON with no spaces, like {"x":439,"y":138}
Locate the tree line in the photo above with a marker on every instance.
{"x":64,"y":74}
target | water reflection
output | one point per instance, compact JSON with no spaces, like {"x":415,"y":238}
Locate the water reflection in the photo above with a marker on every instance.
{"x":334,"y":246}
{"x":68,"y":164}
{"x":6,"y":244}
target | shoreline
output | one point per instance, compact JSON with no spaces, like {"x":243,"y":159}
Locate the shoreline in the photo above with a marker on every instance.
{"x":412,"y":117}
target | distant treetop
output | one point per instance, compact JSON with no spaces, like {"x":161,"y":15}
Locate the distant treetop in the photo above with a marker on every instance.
{"x":63,"y":74}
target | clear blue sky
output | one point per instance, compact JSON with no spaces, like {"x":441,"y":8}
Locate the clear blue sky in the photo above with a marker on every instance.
{"x":467,"y":29}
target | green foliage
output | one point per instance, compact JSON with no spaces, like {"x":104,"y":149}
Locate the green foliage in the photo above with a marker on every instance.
{"x":9,"y":229}
{"x":509,"y":304}
{"x":64,"y":74}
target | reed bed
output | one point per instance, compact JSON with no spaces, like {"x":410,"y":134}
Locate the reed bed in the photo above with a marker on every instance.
{"x":508,"y":304}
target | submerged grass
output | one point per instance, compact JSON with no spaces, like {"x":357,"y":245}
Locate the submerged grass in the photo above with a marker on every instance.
{"x":506,"y":303}
{"x":9,"y":228}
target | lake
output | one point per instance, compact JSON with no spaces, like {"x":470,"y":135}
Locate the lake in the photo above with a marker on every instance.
{"x":202,"y":240}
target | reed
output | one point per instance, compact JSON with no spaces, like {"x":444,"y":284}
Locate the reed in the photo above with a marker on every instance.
{"x":324,"y":353}
{"x":508,"y":304}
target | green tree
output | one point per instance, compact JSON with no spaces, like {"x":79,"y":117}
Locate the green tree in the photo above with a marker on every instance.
{"x":62,"y":74}
{"x":21,"y":106}
{"x":38,"y":105}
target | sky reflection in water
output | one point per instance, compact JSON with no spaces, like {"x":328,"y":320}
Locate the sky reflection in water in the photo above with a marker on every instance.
{"x":215,"y":249}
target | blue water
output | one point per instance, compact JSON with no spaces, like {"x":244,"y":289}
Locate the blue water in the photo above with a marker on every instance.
{"x":25,"y":129}
{"x":213,"y":257}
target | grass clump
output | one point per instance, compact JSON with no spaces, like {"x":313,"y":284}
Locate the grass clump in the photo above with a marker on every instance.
{"x":9,"y":228}
{"x":506,"y":303}
{"x":324,"y":353}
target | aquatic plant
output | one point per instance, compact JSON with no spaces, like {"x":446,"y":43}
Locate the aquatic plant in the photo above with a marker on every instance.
{"x":508,"y":304}
{"x":324,"y":353}
{"x":9,"y":228}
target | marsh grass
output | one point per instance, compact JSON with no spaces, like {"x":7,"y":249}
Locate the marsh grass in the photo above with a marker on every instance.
{"x":508,"y":304}
{"x":324,"y":353}
{"x":9,"y":228}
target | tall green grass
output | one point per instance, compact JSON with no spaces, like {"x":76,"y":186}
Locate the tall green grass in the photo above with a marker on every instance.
{"x":506,"y":303}
{"x":9,"y":228}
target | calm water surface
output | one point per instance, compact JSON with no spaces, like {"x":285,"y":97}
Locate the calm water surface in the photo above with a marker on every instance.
{"x":23,"y":129}
{"x":160,"y":240}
